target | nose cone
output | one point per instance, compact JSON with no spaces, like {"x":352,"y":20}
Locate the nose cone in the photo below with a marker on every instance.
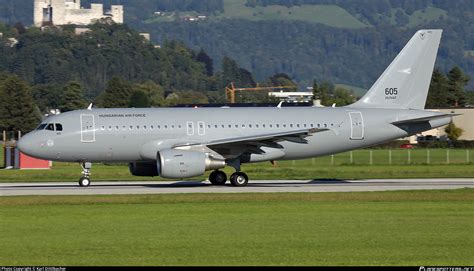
{"x":27,"y":145}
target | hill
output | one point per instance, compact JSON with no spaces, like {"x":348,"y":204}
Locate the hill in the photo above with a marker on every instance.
{"x":345,"y":42}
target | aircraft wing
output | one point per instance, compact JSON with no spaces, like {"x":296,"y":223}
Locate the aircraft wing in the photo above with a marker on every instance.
{"x":252,"y":144}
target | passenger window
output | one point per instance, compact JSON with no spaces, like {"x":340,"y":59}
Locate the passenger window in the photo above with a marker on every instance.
{"x":50,"y":127}
{"x":59,"y":127}
{"x":102,"y":127}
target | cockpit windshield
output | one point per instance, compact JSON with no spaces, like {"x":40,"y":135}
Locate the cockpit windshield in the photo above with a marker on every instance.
{"x":41,"y":126}
{"x":50,"y":127}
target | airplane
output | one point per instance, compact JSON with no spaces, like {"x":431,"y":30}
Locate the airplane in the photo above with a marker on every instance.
{"x":186,"y":142}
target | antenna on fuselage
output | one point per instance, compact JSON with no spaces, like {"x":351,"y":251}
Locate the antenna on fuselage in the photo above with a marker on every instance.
{"x":279,"y":105}
{"x":90,"y":107}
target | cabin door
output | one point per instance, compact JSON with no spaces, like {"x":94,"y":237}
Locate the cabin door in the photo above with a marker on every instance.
{"x":87,"y":128}
{"x":357,"y":125}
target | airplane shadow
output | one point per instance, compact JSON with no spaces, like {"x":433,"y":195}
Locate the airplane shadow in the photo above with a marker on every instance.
{"x":183,"y":184}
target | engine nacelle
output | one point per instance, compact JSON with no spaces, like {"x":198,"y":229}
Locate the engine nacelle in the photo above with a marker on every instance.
{"x":178,"y":164}
{"x":148,"y":169}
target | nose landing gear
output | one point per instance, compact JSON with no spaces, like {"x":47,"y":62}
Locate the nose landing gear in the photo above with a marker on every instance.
{"x":85,"y":180}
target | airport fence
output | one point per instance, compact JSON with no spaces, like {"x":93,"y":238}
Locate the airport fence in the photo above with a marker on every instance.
{"x":393,"y":157}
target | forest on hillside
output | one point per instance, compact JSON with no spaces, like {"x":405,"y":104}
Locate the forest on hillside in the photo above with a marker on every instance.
{"x":303,"y":50}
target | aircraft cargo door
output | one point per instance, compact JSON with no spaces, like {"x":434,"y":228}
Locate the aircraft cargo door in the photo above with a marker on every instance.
{"x":357,"y":125}
{"x":87,"y":128}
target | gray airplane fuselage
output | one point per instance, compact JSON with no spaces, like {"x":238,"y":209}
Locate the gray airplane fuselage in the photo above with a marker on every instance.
{"x":133,"y":134}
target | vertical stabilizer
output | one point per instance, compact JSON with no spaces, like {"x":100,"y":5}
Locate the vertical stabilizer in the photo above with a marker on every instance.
{"x":405,"y":83}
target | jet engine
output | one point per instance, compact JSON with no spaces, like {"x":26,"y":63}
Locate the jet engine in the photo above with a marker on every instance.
{"x":177,"y":164}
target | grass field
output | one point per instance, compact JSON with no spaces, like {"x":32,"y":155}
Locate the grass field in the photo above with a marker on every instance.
{"x":372,"y":228}
{"x":332,"y":15}
{"x":399,"y":163}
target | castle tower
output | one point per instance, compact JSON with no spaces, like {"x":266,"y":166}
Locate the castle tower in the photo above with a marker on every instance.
{"x":117,"y":13}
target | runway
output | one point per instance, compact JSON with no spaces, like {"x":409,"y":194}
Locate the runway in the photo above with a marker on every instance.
{"x":266,"y":186}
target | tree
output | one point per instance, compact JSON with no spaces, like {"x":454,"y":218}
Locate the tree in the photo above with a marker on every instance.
{"x":207,"y":60}
{"x":453,"y":132}
{"x":438,"y":91}
{"x":72,"y":97}
{"x":316,"y":91}
{"x":457,"y":80}
{"x":117,"y":94}
{"x":139,"y":99}
{"x":326,"y":89}
{"x":18,"y":111}
{"x":280,"y":79}
{"x":154,"y":93}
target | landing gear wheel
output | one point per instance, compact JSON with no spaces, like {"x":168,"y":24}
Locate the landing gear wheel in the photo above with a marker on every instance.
{"x":239,"y":179}
{"x":84,"y":181}
{"x":218,"y":177}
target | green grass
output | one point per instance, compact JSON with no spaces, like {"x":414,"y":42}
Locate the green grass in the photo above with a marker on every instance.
{"x":332,"y":15}
{"x":404,"y":164}
{"x":426,"y":15}
{"x":371,"y":228}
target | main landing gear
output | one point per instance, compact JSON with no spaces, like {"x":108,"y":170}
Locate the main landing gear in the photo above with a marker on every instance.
{"x":85,"y":180}
{"x":218,"y":177}
{"x":236,"y":179}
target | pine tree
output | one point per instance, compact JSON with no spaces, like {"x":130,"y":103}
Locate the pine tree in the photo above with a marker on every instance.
{"x":207,"y":60}
{"x":438,"y":92}
{"x":457,"y":81}
{"x":72,"y":97}
{"x":316,"y":91}
{"x":18,"y":111}
{"x":117,"y":93}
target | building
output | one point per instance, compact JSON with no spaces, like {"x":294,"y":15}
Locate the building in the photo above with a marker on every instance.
{"x":63,"y":12}
{"x":292,"y":97}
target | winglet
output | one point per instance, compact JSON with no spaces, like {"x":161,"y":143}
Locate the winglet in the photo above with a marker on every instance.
{"x":90,"y":107}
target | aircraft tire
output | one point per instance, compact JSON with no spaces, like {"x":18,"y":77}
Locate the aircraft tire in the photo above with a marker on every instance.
{"x":84,"y":181}
{"x":239,"y":179}
{"x":218,"y":178}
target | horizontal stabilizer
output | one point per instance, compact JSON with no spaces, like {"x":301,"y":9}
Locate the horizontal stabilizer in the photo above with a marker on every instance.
{"x":424,"y":119}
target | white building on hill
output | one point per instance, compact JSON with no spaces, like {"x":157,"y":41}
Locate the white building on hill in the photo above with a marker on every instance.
{"x":63,"y":12}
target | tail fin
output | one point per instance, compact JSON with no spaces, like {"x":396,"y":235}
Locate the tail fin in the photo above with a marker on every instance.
{"x":405,"y":83}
